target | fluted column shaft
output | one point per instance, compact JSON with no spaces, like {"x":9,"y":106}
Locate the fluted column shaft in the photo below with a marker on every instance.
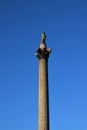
{"x":43,"y":112}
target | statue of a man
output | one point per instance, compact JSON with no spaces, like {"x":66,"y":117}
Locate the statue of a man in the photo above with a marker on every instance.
{"x":43,"y":37}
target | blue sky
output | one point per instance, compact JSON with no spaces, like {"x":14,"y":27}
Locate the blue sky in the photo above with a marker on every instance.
{"x":21,"y":25}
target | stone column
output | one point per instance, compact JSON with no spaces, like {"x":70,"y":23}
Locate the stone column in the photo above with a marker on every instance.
{"x":43,"y":106}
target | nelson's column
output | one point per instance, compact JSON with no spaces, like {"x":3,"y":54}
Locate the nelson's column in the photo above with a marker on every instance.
{"x":43,"y":106}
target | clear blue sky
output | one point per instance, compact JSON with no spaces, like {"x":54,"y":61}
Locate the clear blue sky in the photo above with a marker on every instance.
{"x":21,"y":25}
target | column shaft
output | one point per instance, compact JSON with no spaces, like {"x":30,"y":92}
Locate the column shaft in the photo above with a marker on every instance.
{"x":43,"y":112}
